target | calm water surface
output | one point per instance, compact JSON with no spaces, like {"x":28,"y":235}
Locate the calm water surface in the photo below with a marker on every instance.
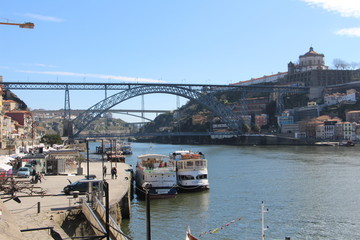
{"x":311,"y":193}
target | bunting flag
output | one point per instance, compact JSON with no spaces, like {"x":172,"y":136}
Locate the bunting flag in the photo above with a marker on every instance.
{"x":219,"y":228}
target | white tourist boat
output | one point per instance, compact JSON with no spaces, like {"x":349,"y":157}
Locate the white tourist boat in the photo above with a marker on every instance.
{"x":126,"y":148}
{"x":191,"y":170}
{"x":158,"y":173}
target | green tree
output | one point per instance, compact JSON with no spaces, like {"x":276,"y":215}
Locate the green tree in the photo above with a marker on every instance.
{"x":51,"y":139}
{"x":270,"y":110}
{"x":246,"y":128}
{"x":256,"y":128}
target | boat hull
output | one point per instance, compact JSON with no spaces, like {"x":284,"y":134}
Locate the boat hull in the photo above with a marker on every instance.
{"x":157,"y":193}
{"x":195,"y":188}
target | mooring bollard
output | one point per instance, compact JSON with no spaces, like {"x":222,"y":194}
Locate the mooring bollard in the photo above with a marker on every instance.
{"x":76,"y":194}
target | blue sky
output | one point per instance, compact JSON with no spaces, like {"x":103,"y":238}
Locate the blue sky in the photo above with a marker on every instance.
{"x":187,"y":41}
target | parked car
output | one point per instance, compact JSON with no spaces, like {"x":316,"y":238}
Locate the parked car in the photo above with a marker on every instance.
{"x":81,"y":186}
{"x":31,"y":169}
{"x":23,"y":172}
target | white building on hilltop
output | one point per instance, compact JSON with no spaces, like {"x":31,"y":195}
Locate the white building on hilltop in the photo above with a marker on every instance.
{"x":335,"y":98}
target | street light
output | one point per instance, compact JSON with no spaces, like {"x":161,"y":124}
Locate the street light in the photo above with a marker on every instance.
{"x":8,"y":145}
{"x":146,"y":186}
{"x":87,"y":140}
{"x":102,"y":157}
{"x":107,"y":211}
{"x":87,"y":158}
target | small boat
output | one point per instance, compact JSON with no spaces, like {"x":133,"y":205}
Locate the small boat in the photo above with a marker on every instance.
{"x":160,"y":175}
{"x":191,"y":170}
{"x":327,"y":144}
{"x":115,"y":157}
{"x":126,"y":148}
{"x":347,"y":144}
{"x":189,"y":236}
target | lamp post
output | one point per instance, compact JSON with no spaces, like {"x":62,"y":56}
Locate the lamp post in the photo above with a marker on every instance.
{"x":8,"y":146}
{"x":87,"y":159}
{"x":106,"y":188}
{"x":102,"y":156}
{"x":146,"y":186}
{"x":87,"y":140}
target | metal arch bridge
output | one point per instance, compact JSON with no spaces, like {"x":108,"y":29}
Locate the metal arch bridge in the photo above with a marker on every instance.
{"x":130,"y":112}
{"x":207,"y":100}
{"x":203,"y":94}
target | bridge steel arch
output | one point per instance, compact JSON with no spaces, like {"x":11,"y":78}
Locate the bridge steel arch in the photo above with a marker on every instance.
{"x":233,"y":121}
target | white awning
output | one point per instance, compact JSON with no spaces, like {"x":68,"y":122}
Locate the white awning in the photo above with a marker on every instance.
{"x":5,"y":167}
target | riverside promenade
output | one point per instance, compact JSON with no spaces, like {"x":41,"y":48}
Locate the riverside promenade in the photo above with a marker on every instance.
{"x":19,"y":216}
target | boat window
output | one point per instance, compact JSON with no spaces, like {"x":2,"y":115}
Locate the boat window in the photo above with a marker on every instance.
{"x":203,"y":176}
{"x":180,"y":165}
{"x":198,"y":163}
{"x":189,"y":164}
{"x":186,"y":177}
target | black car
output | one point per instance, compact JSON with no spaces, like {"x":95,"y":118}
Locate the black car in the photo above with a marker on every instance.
{"x":82,"y":186}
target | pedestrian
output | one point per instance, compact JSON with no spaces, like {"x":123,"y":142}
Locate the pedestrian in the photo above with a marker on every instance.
{"x":38,"y":177}
{"x":104,"y":171}
{"x":113,"y":173}
{"x":33,"y":174}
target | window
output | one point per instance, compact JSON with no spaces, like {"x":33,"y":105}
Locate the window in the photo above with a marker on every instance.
{"x":186,"y":177}
{"x":203,"y":176}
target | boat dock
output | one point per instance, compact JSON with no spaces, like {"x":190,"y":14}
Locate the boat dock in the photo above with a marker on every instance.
{"x":48,"y":212}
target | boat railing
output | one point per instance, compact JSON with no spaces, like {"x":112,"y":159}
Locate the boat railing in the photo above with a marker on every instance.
{"x":194,"y":167}
{"x":187,"y":156}
{"x":159,"y":170}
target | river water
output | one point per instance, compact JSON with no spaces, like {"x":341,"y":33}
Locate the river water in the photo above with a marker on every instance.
{"x":312,"y":192}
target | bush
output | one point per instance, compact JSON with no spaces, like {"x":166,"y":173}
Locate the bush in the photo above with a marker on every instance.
{"x":51,"y":139}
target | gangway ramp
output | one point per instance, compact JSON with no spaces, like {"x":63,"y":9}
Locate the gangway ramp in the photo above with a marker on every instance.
{"x":96,"y":216}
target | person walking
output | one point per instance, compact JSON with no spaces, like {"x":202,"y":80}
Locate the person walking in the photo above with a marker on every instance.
{"x":113,"y":173}
{"x":104,"y":171}
{"x":37,"y":177}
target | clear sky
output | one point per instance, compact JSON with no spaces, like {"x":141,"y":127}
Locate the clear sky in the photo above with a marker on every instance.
{"x":178,"y":41}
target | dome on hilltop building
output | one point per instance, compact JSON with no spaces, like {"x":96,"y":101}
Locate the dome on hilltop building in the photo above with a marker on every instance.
{"x":311,"y":52}
{"x":311,"y":61}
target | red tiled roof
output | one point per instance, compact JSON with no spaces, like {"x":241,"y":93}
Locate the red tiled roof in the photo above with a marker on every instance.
{"x":311,"y":52}
{"x":256,"y":79}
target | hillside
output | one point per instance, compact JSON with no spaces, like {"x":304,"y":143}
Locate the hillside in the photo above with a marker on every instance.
{"x":193,"y":117}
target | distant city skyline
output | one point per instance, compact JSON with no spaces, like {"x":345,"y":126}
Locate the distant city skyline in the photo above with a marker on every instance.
{"x":203,"y":42}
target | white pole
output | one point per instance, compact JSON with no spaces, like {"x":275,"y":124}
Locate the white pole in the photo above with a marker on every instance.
{"x":262,"y":221}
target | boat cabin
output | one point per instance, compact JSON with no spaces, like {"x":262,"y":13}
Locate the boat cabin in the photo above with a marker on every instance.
{"x":193,"y":164}
{"x":151,"y":161}
{"x":116,"y":158}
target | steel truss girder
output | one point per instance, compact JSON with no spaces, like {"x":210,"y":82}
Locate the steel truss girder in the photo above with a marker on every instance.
{"x":67,"y":112}
{"x":126,"y":86}
{"x":207,"y":100}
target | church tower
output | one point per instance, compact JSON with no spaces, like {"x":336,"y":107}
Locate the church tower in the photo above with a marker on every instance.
{"x":311,"y":61}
